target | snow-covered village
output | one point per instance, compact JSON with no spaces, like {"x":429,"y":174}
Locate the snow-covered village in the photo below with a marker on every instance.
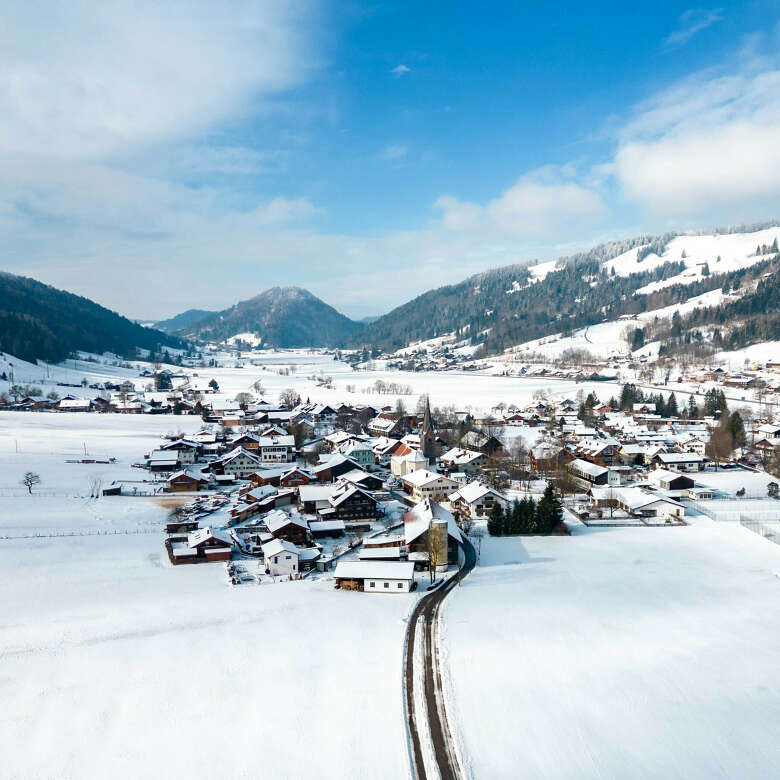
{"x":540,"y":503}
{"x":389,"y":390}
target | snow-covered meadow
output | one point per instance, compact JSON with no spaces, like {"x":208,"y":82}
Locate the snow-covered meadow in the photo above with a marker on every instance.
{"x":114,"y":661}
{"x":621,"y":652}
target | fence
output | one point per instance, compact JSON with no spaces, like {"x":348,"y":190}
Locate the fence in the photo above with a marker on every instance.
{"x":725,"y":510}
{"x":769,"y":530}
{"x":763,"y":518}
{"x":62,"y":534}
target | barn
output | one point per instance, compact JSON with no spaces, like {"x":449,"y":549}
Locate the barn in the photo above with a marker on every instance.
{"x":375,"y":576}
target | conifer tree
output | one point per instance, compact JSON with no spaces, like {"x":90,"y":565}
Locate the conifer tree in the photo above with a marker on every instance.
{"x":495,"y":522}
{"x":513,"y":519}
{"x":527,"y":508}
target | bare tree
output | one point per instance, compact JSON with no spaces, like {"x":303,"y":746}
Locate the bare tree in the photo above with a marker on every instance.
{"x":289,"y":398}
{"x":435,"y":556}
{"x":258,"y":388}
{"x":30,"y":480}
{"x":243,"y":400}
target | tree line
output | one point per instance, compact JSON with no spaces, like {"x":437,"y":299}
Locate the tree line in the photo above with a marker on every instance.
{"x":525,"y":517}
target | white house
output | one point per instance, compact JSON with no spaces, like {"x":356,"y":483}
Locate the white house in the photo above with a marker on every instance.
{"x":375,"y":576}
{"x":281,"y":557}
{"x":476,"y":500}
{"x":423,"y":484}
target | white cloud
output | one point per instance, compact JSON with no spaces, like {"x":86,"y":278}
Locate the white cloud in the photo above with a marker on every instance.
{"x":394,"y":152}
{"x":401,"y":70}
{"x":543,"y":202}
{"x":283,"y":211}
{"x":691,"y":22}
{"x":707,"y":146}
{"x":85,"y":80}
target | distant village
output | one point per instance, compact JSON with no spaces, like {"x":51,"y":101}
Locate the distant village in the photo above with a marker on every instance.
{"x":385,"y":498}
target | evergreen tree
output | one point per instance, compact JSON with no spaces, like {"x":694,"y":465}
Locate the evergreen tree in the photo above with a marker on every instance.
{"x":513,"y":519}
{"x":527,"y":508}
{"x":549,"y":512}
{"x":693,"y":409}
{"x":671,"y":406}
{"x":737,"y":429}
{"x":495,"y":522}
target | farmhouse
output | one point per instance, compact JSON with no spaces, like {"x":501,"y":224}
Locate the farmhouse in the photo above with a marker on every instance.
{"x":350,"y":504}
{"x":468,"y":461}
{"x":187,"y":480}
{"x":476,"y":500}
{"x":671,"y":481}
{"x":290,"y":527}
{"x":424,"y":484}
{"x":239,"y":463}
{"x":281,"y":557}
{"x":680,"y":461}
{"x":417,"y":527}
{"x":201,"y":546}
{"x":587,"y":474}
{"x":375,"y":576}
{"x":163,"y":460}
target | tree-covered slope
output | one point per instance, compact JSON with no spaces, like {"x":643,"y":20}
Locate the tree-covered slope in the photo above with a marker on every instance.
{"x":512,"y":304}
{"x":41,"y":322}
{"x":280,"y":317}
{"x":184,"y":321}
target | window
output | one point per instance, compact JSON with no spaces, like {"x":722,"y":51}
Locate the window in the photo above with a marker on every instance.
{"x":287,"y":557}
{"x":400,"y":584}
{"x":372,"y":584}
{"x":387,"y":584}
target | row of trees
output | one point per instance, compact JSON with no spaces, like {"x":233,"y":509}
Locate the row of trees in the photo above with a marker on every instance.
{"x":526,"y":517}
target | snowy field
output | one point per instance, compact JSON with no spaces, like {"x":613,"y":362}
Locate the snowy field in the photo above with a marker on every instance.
{"x":112,"y":658}
{"x":43,"y":442}
{"x":629,"y":652}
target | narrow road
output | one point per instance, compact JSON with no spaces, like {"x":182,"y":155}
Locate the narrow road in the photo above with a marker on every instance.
{"x":426,"y":614}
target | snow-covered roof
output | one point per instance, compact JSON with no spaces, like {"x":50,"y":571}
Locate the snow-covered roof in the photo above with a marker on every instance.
{"x":374,"y":570}
{"x":680,"y":457}
{"x":204,"y":534}
{"x":279,"y":519}
{"x":374,"y":553}
{"x":424,"y":477}
{"x":459,"y":456}
{"x":475,"y":491}
{"x":314,"y":492}
{"x":278,"y":546}
{"x":418,"y":520}
{"x":324,"y":526}
{"x":586,"y":467}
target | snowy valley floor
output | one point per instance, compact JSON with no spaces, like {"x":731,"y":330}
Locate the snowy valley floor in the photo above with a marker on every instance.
{"x":641,"y":652}
{"x":113,"y":663}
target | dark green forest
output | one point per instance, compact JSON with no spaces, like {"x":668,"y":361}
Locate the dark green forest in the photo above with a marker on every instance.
{"x":40,"y":322}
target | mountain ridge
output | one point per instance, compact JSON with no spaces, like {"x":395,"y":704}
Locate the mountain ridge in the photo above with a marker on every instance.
{"x":281,"y":316}
{"x":41,"y":322}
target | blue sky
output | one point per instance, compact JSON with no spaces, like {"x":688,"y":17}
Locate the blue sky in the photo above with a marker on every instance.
{"x":158,"y":157}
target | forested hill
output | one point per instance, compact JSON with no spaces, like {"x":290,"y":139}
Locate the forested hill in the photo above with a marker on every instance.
{"x":513,"y":304}
{"x":279,"y":317}
{"x":41,"y":322}
{"x":516,"y":304}
{"x":187,"y":319}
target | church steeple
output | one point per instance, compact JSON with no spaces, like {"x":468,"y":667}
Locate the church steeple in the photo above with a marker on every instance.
{"x":427,"y":442}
